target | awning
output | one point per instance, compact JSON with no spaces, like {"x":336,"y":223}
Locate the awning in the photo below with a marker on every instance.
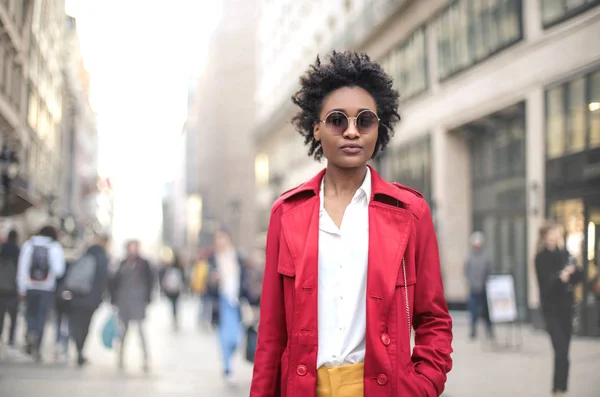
{"x":19,"y":201}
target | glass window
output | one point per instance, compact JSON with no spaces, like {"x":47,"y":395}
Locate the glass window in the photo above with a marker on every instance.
{"x":407,"y":64}
{"x":594,"y":109}
{"x":470,"y":30}
{"x":577,"y":115}
{"x":555,"y":123}
{"x":554,"y":11}
{"x":410,"y":165}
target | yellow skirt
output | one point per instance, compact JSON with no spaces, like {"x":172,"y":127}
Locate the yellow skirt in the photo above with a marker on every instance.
{"x":345,"y":381}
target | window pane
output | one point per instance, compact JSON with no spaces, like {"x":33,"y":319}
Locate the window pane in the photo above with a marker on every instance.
{"x":577,"y":115}
{"x":555,"y":123}
{"x":407,"y":64}
{"x":552,"y":10}
{"x":594,"y":109}
{"x":469,"y":31}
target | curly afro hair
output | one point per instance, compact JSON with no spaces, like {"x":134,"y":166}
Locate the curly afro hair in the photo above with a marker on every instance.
{"x":344,"y":69}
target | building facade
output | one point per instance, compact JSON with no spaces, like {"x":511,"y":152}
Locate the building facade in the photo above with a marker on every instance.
{"x":219,"y":149}
{"x":81,"y":204}
{"x":44,"y":110}
{"x":499,"y":108}
{"x":15,"y":35}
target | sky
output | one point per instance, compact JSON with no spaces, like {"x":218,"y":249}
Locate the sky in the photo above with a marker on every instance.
{"x":140,"y":55}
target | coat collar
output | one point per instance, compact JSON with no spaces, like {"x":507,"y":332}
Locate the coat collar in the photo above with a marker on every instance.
{"x":390,"y":226}
{"x":379,"y":186}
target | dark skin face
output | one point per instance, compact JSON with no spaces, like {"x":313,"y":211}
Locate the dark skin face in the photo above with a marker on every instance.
{"x":346,"y":169}
{"x":348,"y":100}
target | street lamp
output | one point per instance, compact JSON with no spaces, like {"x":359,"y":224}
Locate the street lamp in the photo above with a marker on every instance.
{"x":9,"y":168}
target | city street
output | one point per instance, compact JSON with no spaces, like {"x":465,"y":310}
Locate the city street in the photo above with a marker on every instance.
{"x":186,"y":364}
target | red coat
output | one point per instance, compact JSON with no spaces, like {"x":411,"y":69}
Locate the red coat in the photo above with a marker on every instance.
{"x":400,"y":226}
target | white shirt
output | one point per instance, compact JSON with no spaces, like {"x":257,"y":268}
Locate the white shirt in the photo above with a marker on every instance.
{"x":56,"y":261}
{"x":343,"y":257}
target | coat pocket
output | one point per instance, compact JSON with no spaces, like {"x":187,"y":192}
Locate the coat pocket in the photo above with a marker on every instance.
{"x":405,"y":284}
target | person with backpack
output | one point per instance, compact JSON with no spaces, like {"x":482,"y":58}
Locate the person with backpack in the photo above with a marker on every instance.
{"x":41,"y":263}
{"x":172,"y":284}
{"x":9,"y":298}
{"x":83,"y":287}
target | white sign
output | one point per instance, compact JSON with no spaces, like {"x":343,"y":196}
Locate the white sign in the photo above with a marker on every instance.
{"x":501,"y":300}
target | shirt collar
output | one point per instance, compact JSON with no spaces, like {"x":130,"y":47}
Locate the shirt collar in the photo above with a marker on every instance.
{"x":364,"y":191}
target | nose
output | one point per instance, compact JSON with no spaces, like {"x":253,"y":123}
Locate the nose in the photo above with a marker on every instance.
{"x":351,"y":132}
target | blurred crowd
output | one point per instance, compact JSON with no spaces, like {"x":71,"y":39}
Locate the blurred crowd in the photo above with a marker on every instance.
{"x":54,"y":287}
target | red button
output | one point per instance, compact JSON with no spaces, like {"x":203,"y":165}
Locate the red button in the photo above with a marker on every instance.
{"x":385,"y":339}
{"x":301,"y":370}
{"x":382,"y":379}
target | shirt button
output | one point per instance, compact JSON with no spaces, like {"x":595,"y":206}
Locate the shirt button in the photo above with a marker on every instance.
{"x":301,"y":370}
{"x":385,"y":339}
{"x":382,"y":379}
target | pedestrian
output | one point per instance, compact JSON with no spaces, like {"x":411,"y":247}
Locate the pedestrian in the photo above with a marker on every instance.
{"x":172,"y":282}
{"x":352,"y":262}
{"x":557,"y":274}
{"x":61,"y":311}
{"x":84,"y":287}
{"x":478,"y":268}
{"x":131,"y":289}
{"x":41,"y":263}
{"x":9,"y":297}
{"x":227,"y":281}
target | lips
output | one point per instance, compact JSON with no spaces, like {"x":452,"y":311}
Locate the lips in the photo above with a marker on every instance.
{"x":351,"y":148}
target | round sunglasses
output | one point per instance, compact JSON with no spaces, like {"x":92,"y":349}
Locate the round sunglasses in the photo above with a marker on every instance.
{"x":337,"y":122}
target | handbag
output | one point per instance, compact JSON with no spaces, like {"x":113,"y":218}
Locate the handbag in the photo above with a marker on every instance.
{"x":110,"y":331}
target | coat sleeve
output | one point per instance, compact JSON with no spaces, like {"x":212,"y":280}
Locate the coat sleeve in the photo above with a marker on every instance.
{"x":431,"y":320}
{"x":272,"y":332}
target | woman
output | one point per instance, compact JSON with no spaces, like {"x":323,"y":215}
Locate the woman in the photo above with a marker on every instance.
{"x":132,"y":291}
{"x":172,"y":283}
{"x":557,"y":274}
{"x":227,"y":280}
{"x":352,"y":262}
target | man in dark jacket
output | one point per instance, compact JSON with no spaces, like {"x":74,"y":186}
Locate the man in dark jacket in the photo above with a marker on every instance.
{"x":84,"y":304}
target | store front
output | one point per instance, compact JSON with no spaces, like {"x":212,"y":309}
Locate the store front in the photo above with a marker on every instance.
{"x":573,"y":182}
{"x":498,"y":193}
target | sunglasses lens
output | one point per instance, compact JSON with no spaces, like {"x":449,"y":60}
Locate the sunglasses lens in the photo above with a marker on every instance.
{"x":337,"y":122}
{"x":366,"y":121}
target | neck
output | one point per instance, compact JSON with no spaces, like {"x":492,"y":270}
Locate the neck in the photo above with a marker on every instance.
{"x":340,"y":182}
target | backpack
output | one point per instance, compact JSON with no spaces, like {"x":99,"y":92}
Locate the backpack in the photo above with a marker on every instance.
{"x":81,"y":275}
{"x":8,"y":276}
{"x":39,"y":270}
{"x":172,"y":281}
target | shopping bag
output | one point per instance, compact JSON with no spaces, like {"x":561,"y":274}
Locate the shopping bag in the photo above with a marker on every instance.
{"x":111,"y":331}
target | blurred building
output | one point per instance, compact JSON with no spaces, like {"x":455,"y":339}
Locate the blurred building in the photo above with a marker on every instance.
{"x":219,"y":152}
{"x":44,"y":110}
{"x":174,"y":205}
{"x":501,"y":119}
{"x":81,"y":205}
{"x":17,"y":196}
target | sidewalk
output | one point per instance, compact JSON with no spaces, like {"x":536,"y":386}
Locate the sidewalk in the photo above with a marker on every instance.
{"x":481,"y":372}
{"x":184,"y":364}
{"x":187,"y":364}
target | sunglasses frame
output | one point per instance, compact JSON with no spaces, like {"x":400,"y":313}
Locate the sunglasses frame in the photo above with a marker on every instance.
{"x":349,"y":118}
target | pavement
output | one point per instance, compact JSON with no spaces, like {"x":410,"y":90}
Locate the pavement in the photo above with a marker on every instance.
{"x":186,"y":364}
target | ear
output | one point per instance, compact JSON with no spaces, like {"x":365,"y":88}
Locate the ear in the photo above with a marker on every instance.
{"x":317,"y":131}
